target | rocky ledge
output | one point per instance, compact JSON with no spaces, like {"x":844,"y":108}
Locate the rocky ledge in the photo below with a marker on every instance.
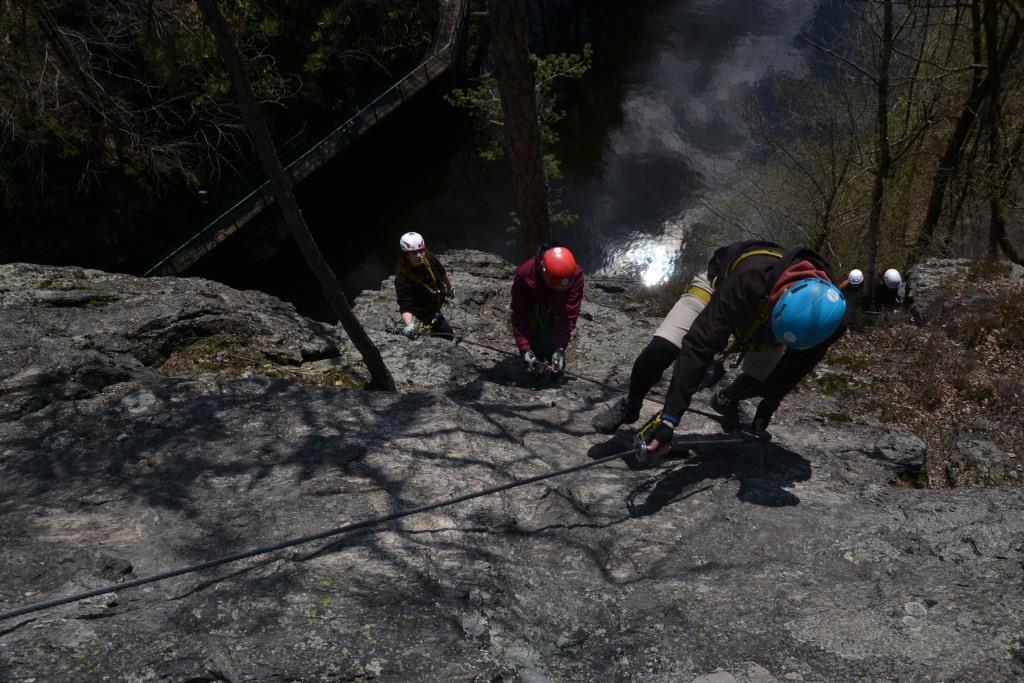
{"x":149,"y":424}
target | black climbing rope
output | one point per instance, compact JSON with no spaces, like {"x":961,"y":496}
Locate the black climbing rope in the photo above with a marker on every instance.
{"x":640,"y":450}
{"x":651,"y":394}
{"x":355,"y":526}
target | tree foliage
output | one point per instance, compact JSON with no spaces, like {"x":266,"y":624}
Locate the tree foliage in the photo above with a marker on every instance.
{"x":109,"y":109}
{"x":484,"y":106}
{"x":899,"y":143}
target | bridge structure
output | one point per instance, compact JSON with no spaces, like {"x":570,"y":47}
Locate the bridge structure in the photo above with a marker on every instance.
{"x":301,"y":161}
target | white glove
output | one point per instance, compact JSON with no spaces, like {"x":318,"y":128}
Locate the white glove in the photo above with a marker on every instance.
{"x":409,"y":330}
{"x":558,"y":361}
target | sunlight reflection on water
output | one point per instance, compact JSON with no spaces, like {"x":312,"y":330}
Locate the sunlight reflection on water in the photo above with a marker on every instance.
{"x":652,"y":259}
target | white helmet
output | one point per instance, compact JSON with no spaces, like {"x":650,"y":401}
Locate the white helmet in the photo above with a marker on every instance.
{"x":412,"y":241}
{"x":855,"y":278}
{"x":892,"y":278}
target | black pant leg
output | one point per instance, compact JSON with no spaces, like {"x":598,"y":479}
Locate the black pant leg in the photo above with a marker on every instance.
{"x":442,"y":328}
{"x":649,"y":366}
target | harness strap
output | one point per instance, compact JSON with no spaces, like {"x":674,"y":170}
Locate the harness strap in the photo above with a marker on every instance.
{"x":699,"y":292}
{"x":410,"y":273}
{"x":764,"y":311}
{"x":747,"y":254}
{"x":753,"y":252}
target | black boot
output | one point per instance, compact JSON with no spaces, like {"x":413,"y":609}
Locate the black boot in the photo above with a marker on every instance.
{"x":724,"y":406}
{"x":619,"y":413}
{"x":734,"y":413}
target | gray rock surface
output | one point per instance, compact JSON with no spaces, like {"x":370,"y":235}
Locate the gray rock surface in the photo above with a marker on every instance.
{"x":979,"y":462}
{"x":929,"y":281}
{"x":807,"y":561}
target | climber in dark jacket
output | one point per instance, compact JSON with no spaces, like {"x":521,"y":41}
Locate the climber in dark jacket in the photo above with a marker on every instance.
{"x":783,"y":311}
{"x":886,"y":297}
{"x":422,"y":287}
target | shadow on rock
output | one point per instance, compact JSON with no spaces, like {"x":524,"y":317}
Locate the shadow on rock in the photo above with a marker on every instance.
{"x":511,"y":372}
{"x":764,"y":472}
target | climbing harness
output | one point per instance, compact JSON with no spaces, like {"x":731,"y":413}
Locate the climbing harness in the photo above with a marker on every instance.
{"x":542,"y":317}
{"x":420,"y":328}
{"x":741,"y":338}
{"x":435,"y":287}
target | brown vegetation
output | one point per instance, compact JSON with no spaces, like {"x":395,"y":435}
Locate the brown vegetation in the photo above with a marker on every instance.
{"x":962,"y":374}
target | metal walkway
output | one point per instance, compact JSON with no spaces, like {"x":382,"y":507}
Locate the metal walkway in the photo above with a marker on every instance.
{"x":306,"y":161}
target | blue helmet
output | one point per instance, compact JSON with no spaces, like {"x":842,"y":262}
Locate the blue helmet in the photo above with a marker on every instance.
{"x":808,"y":313}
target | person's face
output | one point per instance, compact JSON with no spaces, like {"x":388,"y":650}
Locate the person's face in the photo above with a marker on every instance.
{"x":416,"y":258}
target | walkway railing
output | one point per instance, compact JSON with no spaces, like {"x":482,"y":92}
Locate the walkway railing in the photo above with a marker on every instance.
{"x":306,"y":162}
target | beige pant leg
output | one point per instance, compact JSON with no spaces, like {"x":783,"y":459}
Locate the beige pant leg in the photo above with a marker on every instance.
{"x":677,"y":323}
{"x":759,"y":364}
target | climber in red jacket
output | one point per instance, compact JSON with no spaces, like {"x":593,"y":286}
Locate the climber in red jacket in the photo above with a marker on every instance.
{"x":546,"y":296}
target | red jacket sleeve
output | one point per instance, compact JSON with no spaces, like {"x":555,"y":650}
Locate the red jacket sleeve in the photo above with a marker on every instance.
{"x":573,"y":301}
{"x":521,"y":313}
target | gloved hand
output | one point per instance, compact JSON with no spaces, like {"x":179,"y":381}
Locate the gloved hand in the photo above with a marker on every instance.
{"x":532,"y":363}
{"x":657,"y":434}
{"x":558,"y":362}
{"x":763,"y":416}
{"x":450,"y":293}
{"x":409,"y":330}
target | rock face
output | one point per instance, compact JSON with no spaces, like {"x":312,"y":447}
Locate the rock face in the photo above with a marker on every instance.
{"x":979,"y":462}
{"x":808,"y":560}
{"x":928,"y":282}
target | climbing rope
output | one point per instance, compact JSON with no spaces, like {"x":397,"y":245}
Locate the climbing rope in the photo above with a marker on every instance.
{"x":650,"y":394}
{"x":355,"y":526}
{"x":762,"y":438}
{"x":639,"y":450}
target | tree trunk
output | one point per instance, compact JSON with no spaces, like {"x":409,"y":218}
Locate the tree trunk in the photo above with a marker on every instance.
{"x":884,"y":165}
{"x":954,"y":146}
{"x":997,"y":217}
{"x":380,"y":377}
{"x":515,"y":73}
{"x":1013,"y":159}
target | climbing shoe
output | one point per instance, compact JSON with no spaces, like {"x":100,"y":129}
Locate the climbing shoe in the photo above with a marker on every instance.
{"x":617,"y":414}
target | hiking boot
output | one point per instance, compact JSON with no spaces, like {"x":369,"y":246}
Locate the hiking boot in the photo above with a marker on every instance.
{"x":734,"y":413}
{"x":721,"y":404}
{"x":617,"y":414}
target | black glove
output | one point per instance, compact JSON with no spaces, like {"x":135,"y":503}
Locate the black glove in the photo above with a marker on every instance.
{"x":558,"y":361}
{"x":763,"y":416}
{"x":660,"y":429}
{"x":663,"y":433}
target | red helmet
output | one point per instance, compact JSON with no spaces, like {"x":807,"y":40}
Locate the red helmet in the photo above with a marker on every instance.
{"x":558,"y":267}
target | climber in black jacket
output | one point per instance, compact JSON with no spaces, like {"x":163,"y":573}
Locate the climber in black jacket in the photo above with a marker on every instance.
{"x":780,"y":307}
{"x":421,"y":287}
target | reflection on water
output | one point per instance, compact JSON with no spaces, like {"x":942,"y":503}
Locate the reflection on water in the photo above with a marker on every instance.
{"x":678,"y":141}
{"x":651,"y":259}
